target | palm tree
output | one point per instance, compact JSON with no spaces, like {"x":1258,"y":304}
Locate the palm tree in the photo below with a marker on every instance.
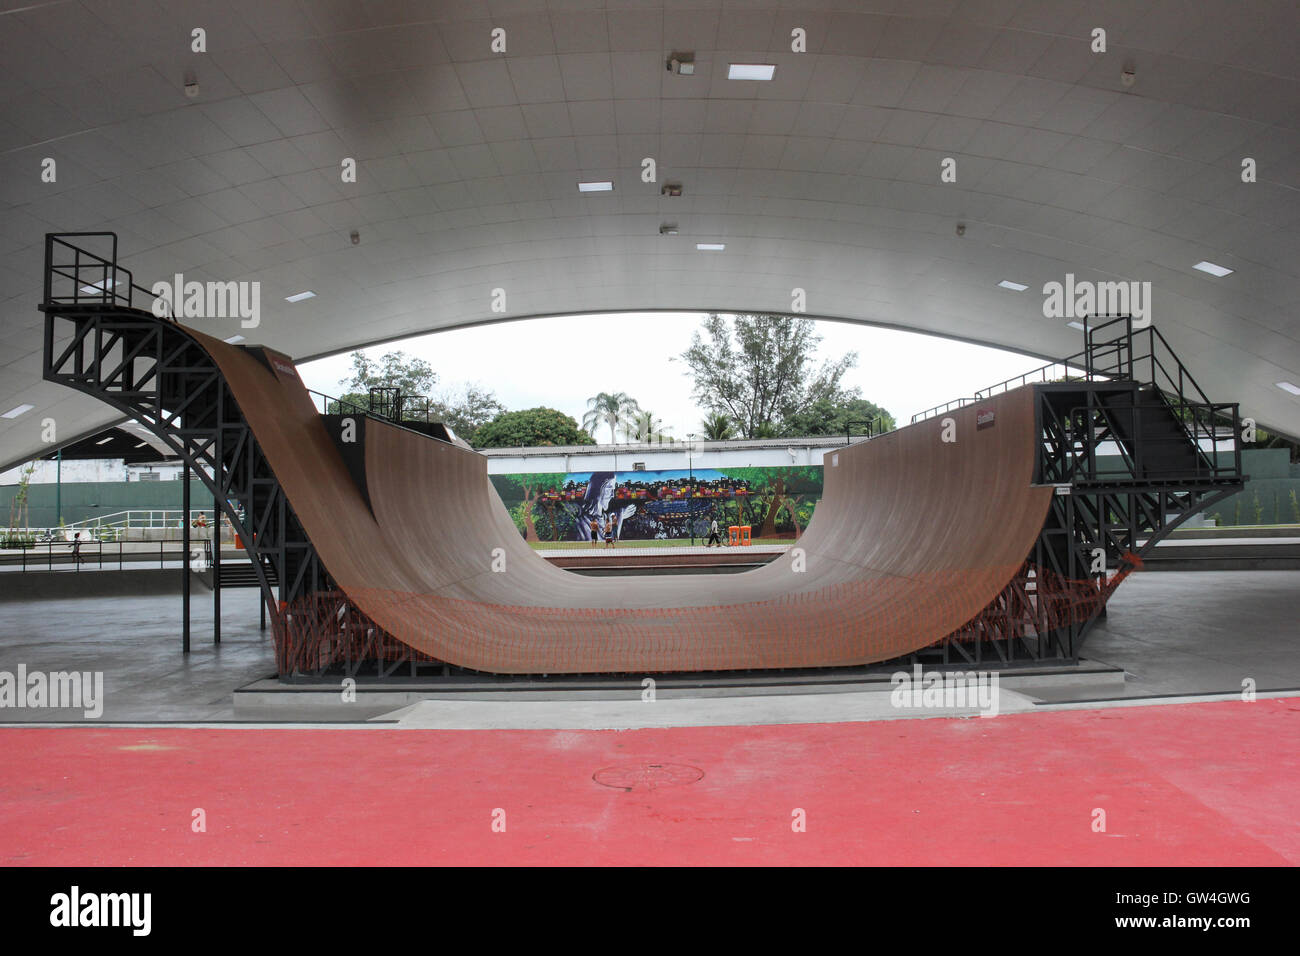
{"x":612,"y":410}
{"x":717,"y":427}
{"x":645,"y":427}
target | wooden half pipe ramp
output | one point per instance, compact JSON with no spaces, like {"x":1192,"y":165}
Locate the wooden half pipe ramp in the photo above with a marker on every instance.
{"x":915,"y":536}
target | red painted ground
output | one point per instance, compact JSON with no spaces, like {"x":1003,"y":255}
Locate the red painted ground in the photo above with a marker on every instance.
{"x":1193,"y":784}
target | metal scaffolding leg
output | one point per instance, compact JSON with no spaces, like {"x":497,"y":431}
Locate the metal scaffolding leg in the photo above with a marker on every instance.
{"x":185,"y":564}
{"x":216,"y":573}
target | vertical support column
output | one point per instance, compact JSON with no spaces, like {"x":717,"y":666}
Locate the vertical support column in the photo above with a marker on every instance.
{"x":185,"y":556}
{"x":216,"y":573}
{"x":218,"y":479}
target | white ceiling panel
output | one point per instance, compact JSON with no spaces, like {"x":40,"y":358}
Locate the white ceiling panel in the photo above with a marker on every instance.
{"x":826,"y":177}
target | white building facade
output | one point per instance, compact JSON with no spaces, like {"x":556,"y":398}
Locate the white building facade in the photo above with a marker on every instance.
{"x":755,"y":453}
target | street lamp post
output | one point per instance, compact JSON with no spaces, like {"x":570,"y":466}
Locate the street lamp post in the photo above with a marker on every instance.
{"x":690,"y":488}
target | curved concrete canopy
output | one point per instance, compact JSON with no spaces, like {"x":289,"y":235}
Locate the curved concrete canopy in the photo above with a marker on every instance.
{"x":827,"y":178}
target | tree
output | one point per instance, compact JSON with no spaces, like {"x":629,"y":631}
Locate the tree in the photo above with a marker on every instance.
{"x":349,"y":403}
{"x":756,"y":369}
{"x":413,"y":376}
{"x":831,"y":416}
{"x":465,"y":410}
{"x":717,"y":427}
{"x":645,"y":427}
{"x":530,"y":427}
{"x":612,"y":410}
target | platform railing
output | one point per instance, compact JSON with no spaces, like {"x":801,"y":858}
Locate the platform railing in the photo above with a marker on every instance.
{"x":1113,"y":349}
{"x":77,"y":277}
{"x":96,"y":555}
{"x":329,"y":405}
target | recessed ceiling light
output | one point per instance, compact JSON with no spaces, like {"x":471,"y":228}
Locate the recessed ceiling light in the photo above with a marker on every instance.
{"x":234,"y":339}
{"x":750,"y":71}
{"x":1212,"y":269}
{"x":1291,"y":387}
{"x":602,"y":187}
{"x":1013,"y":286}
{"x":710,"y":246}
{"x":1077,"y":325}
{"x":103,"y":285}
{"x":142,"y":444}
{"x":300,"y":296}
{"x":15,"y":412}
{"x":104,"y":441}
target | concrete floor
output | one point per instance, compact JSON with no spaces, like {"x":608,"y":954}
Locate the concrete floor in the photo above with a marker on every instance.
{"x":1174,"y":633}
{"x":136,"y":643}
{"x":1181,"y":632}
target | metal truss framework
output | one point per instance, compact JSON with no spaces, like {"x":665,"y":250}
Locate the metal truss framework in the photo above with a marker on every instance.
{"x":150,"y":369}
{"x":1099,"y":525}
{"x":1136,"y":400}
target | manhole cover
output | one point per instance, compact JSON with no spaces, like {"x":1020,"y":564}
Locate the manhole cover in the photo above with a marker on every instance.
{"x":647,"y":776}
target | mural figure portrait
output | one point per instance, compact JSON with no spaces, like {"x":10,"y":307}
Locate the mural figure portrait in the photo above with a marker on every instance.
{"x":596,"y":504}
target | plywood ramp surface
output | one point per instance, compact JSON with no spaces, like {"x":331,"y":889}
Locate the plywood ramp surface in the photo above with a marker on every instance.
{"x":913,"y":537}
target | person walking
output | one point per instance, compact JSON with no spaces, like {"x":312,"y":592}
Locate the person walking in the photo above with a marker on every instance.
{"x":713,"y":534}
{"x":76,"y":549}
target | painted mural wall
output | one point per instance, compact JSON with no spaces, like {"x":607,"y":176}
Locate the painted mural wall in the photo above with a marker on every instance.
{"x":776,"y":502}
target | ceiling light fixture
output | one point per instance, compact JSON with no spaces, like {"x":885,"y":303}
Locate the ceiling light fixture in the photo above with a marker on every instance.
{"x":234,"y":339}
{"x":1215,"y":270}
{"x":668,"y":229}
{"x":15,"y":412}
{"x":102,"y":285}
{"x":600,"y":187}
{"x":298,"y":297}
{"x":1013,"y":286}
{"x":683,"y":64}
{"x":104,"y":441}
{"x":751,"y":71}
{"x":670,"y":189}
{"x":142,"y":444}
{"x":1077,"y":325}
{"x":1291,"y":387}
{"x":710,"y":246}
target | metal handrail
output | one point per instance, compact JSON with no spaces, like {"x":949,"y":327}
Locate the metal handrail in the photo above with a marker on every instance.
{"x":1016,"y":381}
{"x":90,"y":555}
{"x":871,"y":423}
{"x":1104,"y":360}
{"x":96,"y":265}
{"x":352,"y":408}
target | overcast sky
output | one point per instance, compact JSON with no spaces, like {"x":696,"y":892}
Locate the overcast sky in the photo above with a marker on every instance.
{"x":561,"y":362}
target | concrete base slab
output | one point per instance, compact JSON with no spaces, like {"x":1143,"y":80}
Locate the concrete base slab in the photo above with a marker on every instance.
{"x":272,"y":699}
{"x":637,"y":714}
